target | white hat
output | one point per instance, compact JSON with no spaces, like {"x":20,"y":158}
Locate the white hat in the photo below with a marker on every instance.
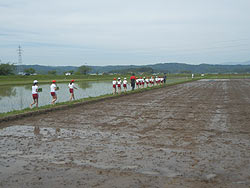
{"x":35,"y":81}
{"x":125,"y":78}
{"x":119,"y":78}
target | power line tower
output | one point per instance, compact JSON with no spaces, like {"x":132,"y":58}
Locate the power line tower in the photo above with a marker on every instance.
{"x":19,"y":52}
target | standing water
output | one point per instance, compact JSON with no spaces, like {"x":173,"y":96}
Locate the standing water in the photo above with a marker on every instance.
{"x":20,"y":97}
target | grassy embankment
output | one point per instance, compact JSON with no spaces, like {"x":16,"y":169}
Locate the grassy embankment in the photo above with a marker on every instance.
{"x":69,"y":103}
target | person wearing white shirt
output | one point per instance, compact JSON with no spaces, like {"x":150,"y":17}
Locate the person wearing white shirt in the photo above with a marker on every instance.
{"x":119,"y":85}
{"x":35,"y":93}
{"x":114,"y":86}
{"x":71,"y":90}
{"x":125,"y":82}
{"x":53,"y":89}
{"x":153,"y":81}
{"x":156,"y":80}
{"x":137,"y":81}
{"x":150,"y":81}
{"x":147,"y":81}
{"x":140,"y":82}
{"x":143,"y":82}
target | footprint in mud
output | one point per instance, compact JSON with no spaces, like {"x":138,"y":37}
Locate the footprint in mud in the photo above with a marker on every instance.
{"x":36,"y":130}
{"x":58,"y":130}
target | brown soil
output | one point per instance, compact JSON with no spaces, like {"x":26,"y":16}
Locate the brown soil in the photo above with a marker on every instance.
{"x":190,"y":135}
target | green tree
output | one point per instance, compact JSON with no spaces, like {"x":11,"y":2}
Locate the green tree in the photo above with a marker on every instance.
{"x":71,"y":72}
{"x":29,"y":71}
{"x":53,"y":72}
{"x":83,"y":69}
{"x":7,"y":69}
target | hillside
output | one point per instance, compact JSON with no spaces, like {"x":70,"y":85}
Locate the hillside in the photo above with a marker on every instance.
{"x":40,"y":69}
{"x":161,"y":67}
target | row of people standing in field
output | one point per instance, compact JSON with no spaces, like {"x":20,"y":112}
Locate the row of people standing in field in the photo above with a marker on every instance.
{"x":149,"y":81}
{"x":53,"y":90}
{"x":136,"y":83}
{"x":118,"y":84}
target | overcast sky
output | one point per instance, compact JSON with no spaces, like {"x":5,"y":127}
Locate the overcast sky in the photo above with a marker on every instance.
{"x":122,"y":32}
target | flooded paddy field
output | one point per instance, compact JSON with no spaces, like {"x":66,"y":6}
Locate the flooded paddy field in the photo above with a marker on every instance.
{"x":20,"y":97}
{"x":195,"y":134}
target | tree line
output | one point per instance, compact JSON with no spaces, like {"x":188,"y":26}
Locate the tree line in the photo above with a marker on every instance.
{"x":11,"y":69}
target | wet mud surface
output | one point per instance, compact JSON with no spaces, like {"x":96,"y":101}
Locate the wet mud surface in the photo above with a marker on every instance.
{"x":190,"y":135}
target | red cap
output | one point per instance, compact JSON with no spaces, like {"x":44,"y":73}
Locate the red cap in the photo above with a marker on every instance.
{"x":72,"y":80}
{"x":114,"y":78}
{"x":53,"y":81}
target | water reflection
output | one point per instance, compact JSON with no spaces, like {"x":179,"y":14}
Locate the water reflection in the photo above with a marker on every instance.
{"x":7,"y":91}
{"x":83,"y":85}
{"x":20,"y":97}
{"x":28,"y":87}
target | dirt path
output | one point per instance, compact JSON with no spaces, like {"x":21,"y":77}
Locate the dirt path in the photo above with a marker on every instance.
{"x":190,"y":135}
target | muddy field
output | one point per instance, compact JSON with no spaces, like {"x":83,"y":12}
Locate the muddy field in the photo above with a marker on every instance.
{"x":190,"y":135}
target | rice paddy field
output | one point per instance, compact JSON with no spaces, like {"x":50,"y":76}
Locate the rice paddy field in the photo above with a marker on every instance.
{"x":193,"y":134}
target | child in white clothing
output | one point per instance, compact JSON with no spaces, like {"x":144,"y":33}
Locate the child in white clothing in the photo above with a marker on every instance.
{"x":114,"y":86}
{"x":125,"y":82}
{"x":35,"y":93}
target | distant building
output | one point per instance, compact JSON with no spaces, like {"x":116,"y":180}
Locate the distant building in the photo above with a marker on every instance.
{"x":21,"y":73}
{"x":67,"y":74}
